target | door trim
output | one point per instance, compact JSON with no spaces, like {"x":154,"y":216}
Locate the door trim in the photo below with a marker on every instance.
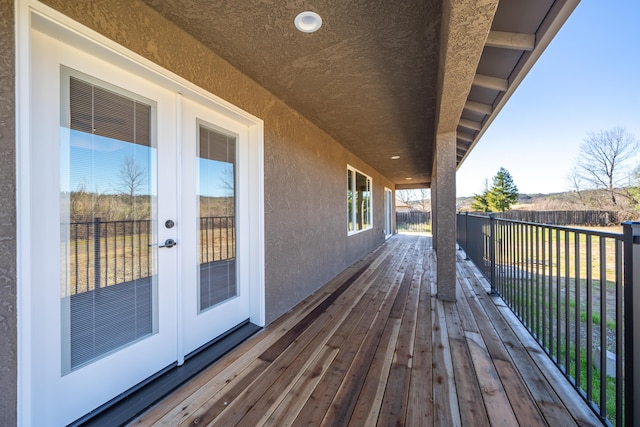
{"x":388,"y":212}
{"x":34,"y":16}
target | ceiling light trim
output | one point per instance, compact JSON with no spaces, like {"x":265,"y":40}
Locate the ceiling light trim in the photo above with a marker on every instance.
{"x":308,"y":22}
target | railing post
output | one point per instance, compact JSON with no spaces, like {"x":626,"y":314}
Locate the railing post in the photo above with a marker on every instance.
{"x":459,"y":229}
{"x":631,"y":232}
{"x":96,"y":252}
{"x":466,"y":236}
{"x":492,"y":253}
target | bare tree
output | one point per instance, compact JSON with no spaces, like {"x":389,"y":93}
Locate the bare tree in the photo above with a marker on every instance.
{"x":424,"y":199}
{"x":603,"y":159}
{"x":131,"y":178}
{"x":404,"y":196}
{"x":578,"y":186}
{"x":419,"y":198}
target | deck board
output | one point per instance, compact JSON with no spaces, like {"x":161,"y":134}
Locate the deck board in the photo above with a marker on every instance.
{"x":376,"y":347}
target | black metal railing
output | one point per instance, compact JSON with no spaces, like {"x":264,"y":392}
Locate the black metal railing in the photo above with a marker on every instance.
{"x":568,"y":287}
{"x":103,"y":253}
{"x":415,"y":221}
{"x":217,"y":238}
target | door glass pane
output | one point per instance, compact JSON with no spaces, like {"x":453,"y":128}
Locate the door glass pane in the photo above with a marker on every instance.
{"x":217,"y":233}
{"x":107,"y":171}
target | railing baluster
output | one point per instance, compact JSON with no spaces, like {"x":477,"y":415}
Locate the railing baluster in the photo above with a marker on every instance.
{"x":543,"y":291}
{"x":567,"y":294}
{"x":133,"y":254}
{"x":519,"y":254}
{"x":577,"y":309}
{"x":537,"y":282}
{"x":603,"y":327}
{"x":96,"y":252}
{"x":551,"y":281}
{"x":589,"y":349}
{"x":527,"y":276}
{"x":75,"y":251}
{"x":513,"y":282}
{"x":558,"y":303}
{"x":619,"y":337}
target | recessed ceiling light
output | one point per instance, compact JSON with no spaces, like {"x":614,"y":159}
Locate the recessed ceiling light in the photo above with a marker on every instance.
{"x":308,"y":22}
{"x":408,"y":179}
{"x":395,"y":157}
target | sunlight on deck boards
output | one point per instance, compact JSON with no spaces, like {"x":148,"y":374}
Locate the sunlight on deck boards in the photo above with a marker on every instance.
{"x":376,"y":347}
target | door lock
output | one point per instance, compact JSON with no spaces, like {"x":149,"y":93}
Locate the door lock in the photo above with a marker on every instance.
{"x":169,"y":243}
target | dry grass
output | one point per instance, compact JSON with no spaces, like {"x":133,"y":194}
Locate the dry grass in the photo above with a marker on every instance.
{"x":126,"y":258}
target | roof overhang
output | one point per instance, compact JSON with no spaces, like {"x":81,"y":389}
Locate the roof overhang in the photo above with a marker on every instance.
{"x":383,"y":78}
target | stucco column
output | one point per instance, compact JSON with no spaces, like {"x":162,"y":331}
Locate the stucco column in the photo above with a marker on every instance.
{"x":434,"y":203}
{"x":445,"y":215}
{"x":8,"y":248}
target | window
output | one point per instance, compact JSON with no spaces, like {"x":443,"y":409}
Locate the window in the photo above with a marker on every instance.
{"x":359,"y":215}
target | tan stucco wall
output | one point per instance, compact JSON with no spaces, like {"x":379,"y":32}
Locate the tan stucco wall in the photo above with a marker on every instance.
{"x":8,"y":319}
{"x":305,"y":169}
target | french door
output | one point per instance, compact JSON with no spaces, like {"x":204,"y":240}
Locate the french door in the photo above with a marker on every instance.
{"x":215,"y":285}
{"x":136,"y":192}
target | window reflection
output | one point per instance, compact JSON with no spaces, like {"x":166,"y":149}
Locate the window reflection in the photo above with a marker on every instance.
{"x":217,"y":234}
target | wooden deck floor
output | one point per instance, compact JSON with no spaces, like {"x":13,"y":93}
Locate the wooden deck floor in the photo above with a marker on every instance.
{"x":376,"y":347}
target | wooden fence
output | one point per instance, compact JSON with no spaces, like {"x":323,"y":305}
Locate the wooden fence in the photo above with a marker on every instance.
{"x":413,"y":221}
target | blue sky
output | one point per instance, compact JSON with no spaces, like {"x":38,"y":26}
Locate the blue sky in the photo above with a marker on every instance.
{"x":587,"y":80}
{"x":97,"y":163}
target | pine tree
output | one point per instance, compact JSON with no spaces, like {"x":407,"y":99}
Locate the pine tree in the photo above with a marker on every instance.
{"x":480,"y":203}
{"x":503,"y":192}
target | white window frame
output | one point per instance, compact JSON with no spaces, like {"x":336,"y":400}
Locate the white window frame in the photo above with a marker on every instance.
{"x":352,"y":217}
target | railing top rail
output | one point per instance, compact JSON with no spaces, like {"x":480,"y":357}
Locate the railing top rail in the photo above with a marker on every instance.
{"x":474,"y":215}
{"x":590,"y":232}
{"x":587,"y":231}
{"x":119,"y":221}
{"x":122,"y":221}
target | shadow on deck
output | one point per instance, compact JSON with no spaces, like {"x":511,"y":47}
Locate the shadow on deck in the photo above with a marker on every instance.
{"x":376,"y":347}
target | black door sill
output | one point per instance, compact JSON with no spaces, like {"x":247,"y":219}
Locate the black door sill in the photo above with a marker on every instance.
{"x":136,"y":400}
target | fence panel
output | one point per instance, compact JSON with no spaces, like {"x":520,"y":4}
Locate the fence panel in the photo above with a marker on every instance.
{"x":415,"y":221}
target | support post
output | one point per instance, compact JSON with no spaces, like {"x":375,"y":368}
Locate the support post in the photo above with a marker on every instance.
{"x":631,"y":233}
{"x":445,"y":218}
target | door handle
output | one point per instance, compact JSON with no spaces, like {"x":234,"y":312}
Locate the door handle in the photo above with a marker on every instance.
{"x":169,"y":243}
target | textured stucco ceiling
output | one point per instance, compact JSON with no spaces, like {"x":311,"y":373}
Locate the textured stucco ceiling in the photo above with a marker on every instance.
{"x":367,"y":78}
{"x":378,"y":72}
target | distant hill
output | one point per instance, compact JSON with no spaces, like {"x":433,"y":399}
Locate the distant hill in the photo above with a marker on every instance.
{"x":568,"y":200}
{"x":563,"y":201}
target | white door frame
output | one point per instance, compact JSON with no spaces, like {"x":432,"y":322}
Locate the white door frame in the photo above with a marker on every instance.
{"x":388,"y":212}
{"x":34,"y":16}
